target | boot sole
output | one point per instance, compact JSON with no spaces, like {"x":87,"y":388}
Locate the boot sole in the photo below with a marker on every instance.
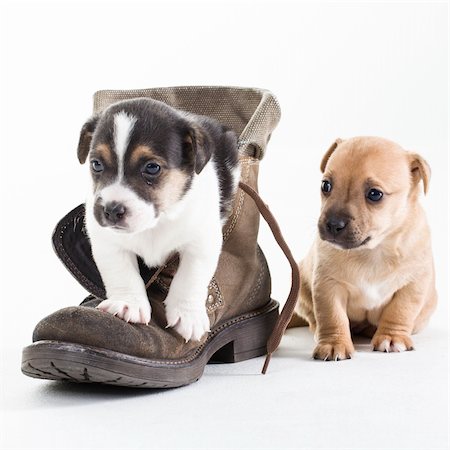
{"x":238,"y":339}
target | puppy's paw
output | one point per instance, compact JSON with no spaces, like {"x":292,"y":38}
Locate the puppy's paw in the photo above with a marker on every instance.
{"x":135,"y":310}
{"x":391,"y":343}
{"x":334,"y":351}
{"x":190,"y":323}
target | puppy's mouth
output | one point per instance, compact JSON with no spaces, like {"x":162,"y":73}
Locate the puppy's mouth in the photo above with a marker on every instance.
{"x":347,"y":245}
{"x":365,"y":241}
{"x":129,"y":228}
{"x":117,"y":228}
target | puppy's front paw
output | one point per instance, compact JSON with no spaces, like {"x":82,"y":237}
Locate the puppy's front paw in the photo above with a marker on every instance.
{"x":135,"y":311}
{"x":190,"y":323}
{"x":334,"y":351}
{"x":391,"y":343}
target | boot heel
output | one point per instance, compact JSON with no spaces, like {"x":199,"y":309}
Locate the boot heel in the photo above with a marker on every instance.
{"x":249,"y":339}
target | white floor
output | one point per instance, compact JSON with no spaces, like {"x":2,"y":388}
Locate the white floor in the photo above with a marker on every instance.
{"x":375,"y":401}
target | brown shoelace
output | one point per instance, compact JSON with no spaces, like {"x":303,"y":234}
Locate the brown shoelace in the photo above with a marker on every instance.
{"x":288,"y":308}
{"x":172,"y":258}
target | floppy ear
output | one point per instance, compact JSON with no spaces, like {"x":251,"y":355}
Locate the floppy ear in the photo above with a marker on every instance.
{"x":420,"y":170}
{"x":85,"y":138}
{"x":327,"y":155}
{"x":198,"y":147}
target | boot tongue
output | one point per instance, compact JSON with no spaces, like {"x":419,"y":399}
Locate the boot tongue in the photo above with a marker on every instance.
{"x":71,"y":244}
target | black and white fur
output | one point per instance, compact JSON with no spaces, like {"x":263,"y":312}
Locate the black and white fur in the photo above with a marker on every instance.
{"x":134,"y":208}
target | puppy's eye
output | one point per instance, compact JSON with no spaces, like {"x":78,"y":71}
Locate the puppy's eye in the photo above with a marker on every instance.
{"x":152,"y":169}
{"x":326,"y":187}
{"x":150,"y":172}
{"x":374,"y":195}
{"x":97,"y":166}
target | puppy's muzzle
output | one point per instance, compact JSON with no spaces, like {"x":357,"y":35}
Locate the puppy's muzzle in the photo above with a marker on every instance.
{"x":335,"y":225}
{"x":114,"y":213}
{"x":341,"y":229}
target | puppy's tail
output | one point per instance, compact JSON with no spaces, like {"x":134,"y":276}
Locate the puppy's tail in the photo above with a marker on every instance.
{"x":297,"y":321}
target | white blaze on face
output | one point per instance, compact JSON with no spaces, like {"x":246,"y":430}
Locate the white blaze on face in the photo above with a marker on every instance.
{"x":123,"y":126}
{"x":140,"y":215}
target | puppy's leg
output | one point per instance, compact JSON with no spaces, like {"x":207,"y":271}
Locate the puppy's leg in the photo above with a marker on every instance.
{"x":185,"y":302}
{"x":304,"y":309}
{"x":398,"y":318}
{"x":125,"y":289}
{"x":333,"y":329}
{"x":428,"y":307}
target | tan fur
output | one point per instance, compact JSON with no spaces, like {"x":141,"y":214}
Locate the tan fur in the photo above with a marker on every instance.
{"x":172,"y":188}
{"x":104,"y":151}
{"x":142,"y":152}
{"x":387,"y":283}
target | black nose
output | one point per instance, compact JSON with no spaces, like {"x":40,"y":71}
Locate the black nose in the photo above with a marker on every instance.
{"x":335,"y":225}
{"x":114,"y":212}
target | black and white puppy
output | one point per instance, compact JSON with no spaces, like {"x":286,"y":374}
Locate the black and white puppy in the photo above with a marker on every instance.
{"x":163,"y":182}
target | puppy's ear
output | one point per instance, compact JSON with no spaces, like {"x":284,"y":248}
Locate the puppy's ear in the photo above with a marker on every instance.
{"x":327,"y":155}
{"x":198,"y":147}
{"x":85,"y":138}
{"x":420,"y":170}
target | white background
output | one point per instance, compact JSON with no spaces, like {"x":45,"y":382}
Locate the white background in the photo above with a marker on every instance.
{"x":338,"y":70}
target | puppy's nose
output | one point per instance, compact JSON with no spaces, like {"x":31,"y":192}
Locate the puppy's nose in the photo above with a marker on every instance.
{"x":335,"y":225}
{"x":114,"y":212}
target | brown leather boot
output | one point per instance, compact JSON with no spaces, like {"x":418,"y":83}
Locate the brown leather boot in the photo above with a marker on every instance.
{"x":84,"y":344}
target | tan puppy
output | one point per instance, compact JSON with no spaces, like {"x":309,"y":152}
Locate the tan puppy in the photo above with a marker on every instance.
{"x":370,"y":270}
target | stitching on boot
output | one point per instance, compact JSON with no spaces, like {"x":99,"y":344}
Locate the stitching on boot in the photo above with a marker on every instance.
{"x":212,"y":334}
{"x":199,"y":349}
{"x":246,"y":163}
{"x":218,"y":297}
{"x":257,"y":287}
{"x":69,"y":263}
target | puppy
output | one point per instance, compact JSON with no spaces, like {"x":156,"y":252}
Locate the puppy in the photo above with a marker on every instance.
{"x":370,"y":270}
{"x":162,"y":182}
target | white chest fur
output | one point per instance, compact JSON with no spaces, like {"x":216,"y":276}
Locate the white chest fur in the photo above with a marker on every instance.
{"x":375,"y":294}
